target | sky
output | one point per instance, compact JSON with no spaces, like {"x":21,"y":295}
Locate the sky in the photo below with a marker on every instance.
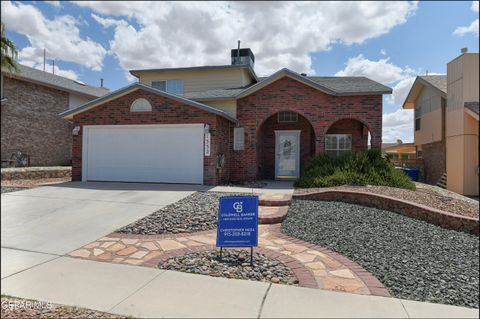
{"x":389,"y":42}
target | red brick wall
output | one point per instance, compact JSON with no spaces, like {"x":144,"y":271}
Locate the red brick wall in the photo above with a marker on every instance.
{"x":319,"y":108}
{"x":266,"y":143}
{"x":356,"y":129}
{"x":30,"y":123}
{"x":164,"y":111}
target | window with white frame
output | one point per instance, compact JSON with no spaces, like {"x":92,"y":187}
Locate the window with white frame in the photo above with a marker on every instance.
{"x":238,"y":139}
{"x":170,"y":86}
{"x":141,"y":105}
{"x":338,"y":144}
{"x":287,"y":116}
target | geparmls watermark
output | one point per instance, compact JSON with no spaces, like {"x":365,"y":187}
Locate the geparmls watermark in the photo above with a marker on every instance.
{"x":15,"y":304}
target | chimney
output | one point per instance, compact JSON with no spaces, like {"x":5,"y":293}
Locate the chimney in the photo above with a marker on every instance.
{"x":464,"y":50}
{"x":101,"y":82}
{"x":242,"y":56}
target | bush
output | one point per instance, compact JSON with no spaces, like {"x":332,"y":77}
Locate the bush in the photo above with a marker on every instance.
{"x":366,"y":168}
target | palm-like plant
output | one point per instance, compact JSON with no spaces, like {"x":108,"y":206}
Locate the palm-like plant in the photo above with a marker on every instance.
{"x":9,"y":52}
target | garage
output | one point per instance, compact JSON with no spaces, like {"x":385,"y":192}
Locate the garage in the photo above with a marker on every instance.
{"x":159,"y":153}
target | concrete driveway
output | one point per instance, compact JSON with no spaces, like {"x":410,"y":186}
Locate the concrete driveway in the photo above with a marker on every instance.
{"x":59,"y":218}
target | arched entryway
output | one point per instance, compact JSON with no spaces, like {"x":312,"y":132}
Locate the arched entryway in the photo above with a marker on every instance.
{"x":285,"y":140}
{"x":346,"y":135}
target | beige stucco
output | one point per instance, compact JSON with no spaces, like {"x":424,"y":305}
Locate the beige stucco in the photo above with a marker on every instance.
{"x":228,"y":106}
{"x":75,"y":100}
{"x":461,"y":128}
{"x":200,"y":80}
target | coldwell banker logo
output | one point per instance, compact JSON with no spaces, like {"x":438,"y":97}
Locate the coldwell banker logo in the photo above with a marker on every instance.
{"x":238,"y":206}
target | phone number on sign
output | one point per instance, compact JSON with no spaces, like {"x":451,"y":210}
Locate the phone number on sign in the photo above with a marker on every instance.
{"x":237,"y":233}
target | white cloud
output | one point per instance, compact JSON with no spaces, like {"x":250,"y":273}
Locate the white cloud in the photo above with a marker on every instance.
{"x":281,"y":34}
{"x":397,"y":125}
{"x":382,"y":70}
{"x":383,"y":52}
{"x":60,"y":36}
{"x":473,"y":27}
{"x":475,"y":6}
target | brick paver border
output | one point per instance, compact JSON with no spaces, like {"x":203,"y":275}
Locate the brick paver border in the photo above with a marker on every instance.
{"x":304,"y":276}
{"x":375,"y":286}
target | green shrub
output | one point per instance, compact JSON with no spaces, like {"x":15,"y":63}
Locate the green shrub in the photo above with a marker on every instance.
{"x":366,"y":168}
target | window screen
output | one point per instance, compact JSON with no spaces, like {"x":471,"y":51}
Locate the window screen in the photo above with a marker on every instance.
{"x":287,"y":117}
{"x":338,"y":144}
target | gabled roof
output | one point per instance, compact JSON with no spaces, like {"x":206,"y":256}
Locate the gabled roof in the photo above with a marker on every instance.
{"x":472,"y":108}
{"x":198,"y":68}
{"x":59,"y":82}
{"x":138,"y":86}
{"x":338,"y":86}
{"x":438,"y":82}
{"x":214,"y":94}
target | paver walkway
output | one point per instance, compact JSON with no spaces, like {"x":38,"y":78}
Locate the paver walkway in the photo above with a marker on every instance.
{"x":314,"y":266}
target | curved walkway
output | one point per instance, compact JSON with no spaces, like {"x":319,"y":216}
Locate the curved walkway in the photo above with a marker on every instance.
{"x":314,"y":266}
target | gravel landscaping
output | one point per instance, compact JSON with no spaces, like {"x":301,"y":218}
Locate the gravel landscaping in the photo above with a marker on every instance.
{"x":234,"y":264}
{"x":24,"y":308}
{"x":12,"y":189}
{"x":428,"y":195}
{"x":196,"y":212}
{"x":414,"y":260}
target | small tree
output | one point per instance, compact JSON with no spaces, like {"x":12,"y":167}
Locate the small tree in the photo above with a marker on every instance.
{"x":9,"y":52}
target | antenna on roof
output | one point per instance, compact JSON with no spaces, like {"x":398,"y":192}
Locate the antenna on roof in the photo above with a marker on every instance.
{"x":44,"y":57}
{"x":426,"y":73}
{"x":101,"y":82}
{"x":53,"y":66}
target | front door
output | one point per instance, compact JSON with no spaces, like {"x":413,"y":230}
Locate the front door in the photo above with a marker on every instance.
{"x":287,"y":154}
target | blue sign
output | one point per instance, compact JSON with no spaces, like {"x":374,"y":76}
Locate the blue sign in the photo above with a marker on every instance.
{"x":238,"y":221}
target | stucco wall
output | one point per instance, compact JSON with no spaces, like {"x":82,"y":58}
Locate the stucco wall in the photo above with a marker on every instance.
{"x":200,"y":80}
{"x":428,"y":104}
{"x":30,"y":123}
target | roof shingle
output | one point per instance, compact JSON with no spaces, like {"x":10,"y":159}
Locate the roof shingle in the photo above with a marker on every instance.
{"x":60,"y":82}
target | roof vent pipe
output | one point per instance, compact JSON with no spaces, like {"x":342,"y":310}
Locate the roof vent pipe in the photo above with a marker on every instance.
{"x":101,"y":82}
{"x":464,"y":50}
{"x":303,"y":74}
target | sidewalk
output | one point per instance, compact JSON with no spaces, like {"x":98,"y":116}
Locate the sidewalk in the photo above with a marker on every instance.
{"x":149,"y":292}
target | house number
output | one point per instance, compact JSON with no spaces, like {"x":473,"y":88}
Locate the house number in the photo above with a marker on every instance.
{"x":207,"y":144}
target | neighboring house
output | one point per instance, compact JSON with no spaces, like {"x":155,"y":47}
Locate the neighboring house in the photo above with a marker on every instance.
{"x":462,"y":124}
{"x":400,"y":151}
{"x":213,"y":124}
{"x":427,"y":98}
{"x":446,"y":124}
{"x":31,"y":102}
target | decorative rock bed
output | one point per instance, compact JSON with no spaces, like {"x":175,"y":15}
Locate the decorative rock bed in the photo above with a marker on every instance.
{"x":11,"y":189}
{"x":414,"y":259}
{"x":234,"y":264}
{"x":196,"y":212}
{"x":14,"y":173}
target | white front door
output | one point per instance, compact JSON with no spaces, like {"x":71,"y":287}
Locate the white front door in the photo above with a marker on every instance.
{"x":287,"y":154}
{"x":164,"y":153}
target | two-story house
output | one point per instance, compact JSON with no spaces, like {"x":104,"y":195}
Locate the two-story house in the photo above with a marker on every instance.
{"x":427,"y":98}
{"x":212,"y":124}
{"x":31,"y":102}
{"x":446,"y":124}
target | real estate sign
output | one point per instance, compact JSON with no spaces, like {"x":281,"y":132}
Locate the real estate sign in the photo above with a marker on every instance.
{"x":238,"y":221}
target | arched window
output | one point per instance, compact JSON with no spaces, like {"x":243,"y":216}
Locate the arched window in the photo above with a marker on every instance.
{"x":141,"y":105}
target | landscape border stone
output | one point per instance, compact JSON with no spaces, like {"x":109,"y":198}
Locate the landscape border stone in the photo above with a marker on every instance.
{"x":19,"y":173}
{"x":410,"y":209}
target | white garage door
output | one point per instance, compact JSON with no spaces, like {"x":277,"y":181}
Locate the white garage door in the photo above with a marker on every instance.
{"x":143,"y":153}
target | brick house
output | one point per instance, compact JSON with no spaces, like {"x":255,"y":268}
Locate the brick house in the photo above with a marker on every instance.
{"x":31,"y":101}
{"x":213,"y":124}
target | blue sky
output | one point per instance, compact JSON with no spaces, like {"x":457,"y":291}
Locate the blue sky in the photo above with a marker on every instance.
{"x":386,"y":41}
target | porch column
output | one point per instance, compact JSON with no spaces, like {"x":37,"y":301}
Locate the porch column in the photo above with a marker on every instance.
{"x":319,"y":142}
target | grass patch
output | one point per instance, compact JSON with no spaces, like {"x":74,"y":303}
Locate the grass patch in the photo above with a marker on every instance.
{"x":366,"y":168}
